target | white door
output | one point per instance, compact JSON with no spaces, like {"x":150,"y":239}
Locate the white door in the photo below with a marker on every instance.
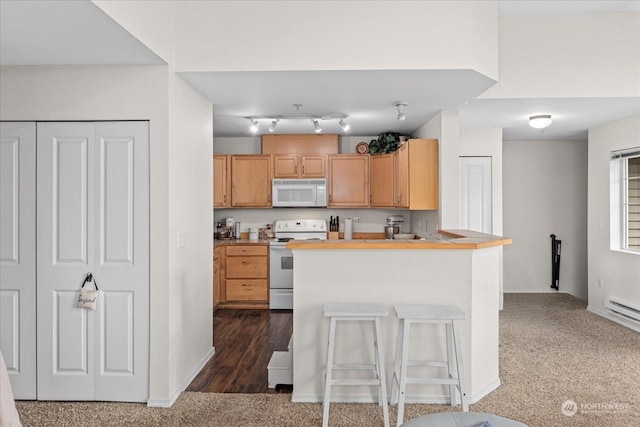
{"x":18,"y":255}
{"x":93,"y":216}
{"x":475,"y":194}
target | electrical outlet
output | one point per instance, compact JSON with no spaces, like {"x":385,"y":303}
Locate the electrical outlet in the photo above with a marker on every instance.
{"x":600,"y":283}
{"x":182,"y":239}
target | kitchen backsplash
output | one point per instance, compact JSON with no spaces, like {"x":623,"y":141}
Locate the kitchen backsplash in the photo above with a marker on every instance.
{"x":365,"y":220}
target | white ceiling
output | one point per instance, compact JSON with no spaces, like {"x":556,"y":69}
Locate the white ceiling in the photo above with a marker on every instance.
{"x":77,"y":32}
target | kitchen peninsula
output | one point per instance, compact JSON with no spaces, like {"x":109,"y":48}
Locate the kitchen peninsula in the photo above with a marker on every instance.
{"x":461,"y":267}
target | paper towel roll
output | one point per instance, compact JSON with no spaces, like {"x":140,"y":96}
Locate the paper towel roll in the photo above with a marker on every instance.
{"x":348,"y":229}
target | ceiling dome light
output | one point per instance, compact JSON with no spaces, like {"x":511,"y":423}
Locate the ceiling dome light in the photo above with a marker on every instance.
{"x":345,"y":126}
{"x":254,"y":125}
{"x":400,"y":107}
{"x":272,"y":126}
{"x":540,"y":121}
{"x":316,"y":126}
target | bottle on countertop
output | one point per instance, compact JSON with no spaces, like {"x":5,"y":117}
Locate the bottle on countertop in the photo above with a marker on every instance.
{"x":236,"y":230}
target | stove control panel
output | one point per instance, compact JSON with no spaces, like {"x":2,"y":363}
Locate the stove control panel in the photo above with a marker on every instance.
{"x":304,"y":225}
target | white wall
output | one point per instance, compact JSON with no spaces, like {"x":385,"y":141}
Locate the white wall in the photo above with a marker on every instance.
{"x":180,"y":188}
{"x":572,"y":56}
{"x":445,"y":128}
{"x":545,"y":192}
{"x":190,"y":330}
{"x":619,"y":271}
{"x":158,"y":34}
{"x":355,"y":35}
{"x":488,"y":142}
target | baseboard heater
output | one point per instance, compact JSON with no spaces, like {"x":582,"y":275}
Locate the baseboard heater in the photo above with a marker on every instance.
{"x":622,"y":309}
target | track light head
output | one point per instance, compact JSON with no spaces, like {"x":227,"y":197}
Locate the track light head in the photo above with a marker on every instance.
{"x":316,"y":126}
{"x":272,"y":126}
{"x":400,"y":107}
{"x":254,"y":125}
{"x":344,"y":125}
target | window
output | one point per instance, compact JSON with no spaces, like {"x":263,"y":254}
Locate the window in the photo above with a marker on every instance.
{"x":625,"y":201}
{"x":631,"y":203}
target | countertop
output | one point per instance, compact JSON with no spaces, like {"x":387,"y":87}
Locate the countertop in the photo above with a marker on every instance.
{"x":451,"y":239}
{"x":231,"y":242}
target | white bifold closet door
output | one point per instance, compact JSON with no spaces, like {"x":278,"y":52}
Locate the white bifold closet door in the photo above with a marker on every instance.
{"x":18,"y":255}
{"x":93,"y":217}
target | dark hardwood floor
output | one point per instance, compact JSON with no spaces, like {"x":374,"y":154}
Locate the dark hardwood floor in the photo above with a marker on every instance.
{"x":244,"y":342}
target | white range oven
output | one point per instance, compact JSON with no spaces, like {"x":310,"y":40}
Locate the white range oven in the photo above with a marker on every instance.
{"x":281,"y":258}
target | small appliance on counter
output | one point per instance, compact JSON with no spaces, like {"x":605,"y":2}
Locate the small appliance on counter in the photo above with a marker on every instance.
{"x":396,"y":222}
{"x":225,"y":230}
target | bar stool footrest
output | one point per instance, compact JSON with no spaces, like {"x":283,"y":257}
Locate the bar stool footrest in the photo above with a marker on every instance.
{"x":354,"y":367}
{"x":351,"y":381}
{"x":427,"y":364}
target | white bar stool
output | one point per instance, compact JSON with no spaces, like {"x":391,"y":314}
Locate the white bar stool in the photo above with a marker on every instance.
{"x":409,"y":314}
{"x":355,"y":312}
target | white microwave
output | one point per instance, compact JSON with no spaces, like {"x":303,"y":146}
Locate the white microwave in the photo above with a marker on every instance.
{"x":292,"y":193}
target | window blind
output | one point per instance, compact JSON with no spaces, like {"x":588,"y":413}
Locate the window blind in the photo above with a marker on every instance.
{"x":628,"y":152}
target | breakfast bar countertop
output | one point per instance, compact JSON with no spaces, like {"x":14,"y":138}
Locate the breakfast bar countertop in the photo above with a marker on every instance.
{"x":450,"y":239}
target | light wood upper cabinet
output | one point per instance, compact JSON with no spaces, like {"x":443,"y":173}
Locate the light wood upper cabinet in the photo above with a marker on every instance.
{"x":417,"y":175}
{"x":348,"y":180}
{"x":381,"y":185}
{"x":299,"y":166}
{"x":300,"y":144}
{"x":401,"y":177}
{"x":221,"y":181}
{"x":251,"y":181}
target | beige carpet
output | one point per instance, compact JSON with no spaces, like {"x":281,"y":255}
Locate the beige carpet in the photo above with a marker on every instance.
{"x":551,"y":350}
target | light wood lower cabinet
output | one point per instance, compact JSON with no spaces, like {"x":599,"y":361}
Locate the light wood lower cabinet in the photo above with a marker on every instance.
{"x":247,"y":290}
{"x":218,"y":253}
{"x":246,"y":277}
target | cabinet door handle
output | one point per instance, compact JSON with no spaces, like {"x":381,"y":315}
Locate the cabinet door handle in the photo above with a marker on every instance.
{"x":246,"y":285}
{"x":247,"y":250}
{"x":303,"y":169}
{"x":295,"y":168}
{"x":224,"y":199}
{"x":246,"y":262}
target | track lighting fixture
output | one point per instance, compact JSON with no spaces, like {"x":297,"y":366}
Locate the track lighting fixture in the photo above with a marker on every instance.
{"x":400,"y":107}
{"x":540,"y":121}
{"x":254,"y":125}
{"x":315,"y":120}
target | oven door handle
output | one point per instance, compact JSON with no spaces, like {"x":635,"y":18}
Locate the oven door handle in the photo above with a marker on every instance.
{"x":278,"y":248}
